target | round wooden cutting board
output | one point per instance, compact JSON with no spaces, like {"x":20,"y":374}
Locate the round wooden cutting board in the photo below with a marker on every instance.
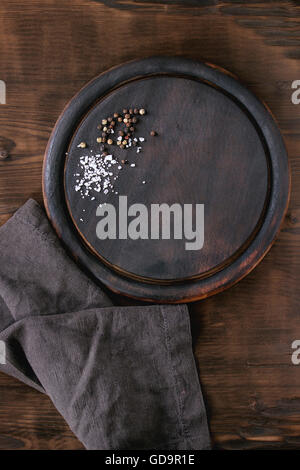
{"x":216,"y":149}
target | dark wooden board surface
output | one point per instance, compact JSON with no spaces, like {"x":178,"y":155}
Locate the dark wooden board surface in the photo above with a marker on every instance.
{"x":186,"y":163}
{"x":242,"y":337}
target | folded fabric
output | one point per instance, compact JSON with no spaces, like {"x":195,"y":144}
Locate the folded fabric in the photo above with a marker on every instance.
{"x":122,"y":377}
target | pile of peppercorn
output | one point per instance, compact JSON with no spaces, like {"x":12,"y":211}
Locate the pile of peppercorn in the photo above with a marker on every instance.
{"x":97,"y":168}
{"x":128,"y":119}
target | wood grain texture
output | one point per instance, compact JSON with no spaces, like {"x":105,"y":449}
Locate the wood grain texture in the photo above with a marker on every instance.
{"x":242,"y":337}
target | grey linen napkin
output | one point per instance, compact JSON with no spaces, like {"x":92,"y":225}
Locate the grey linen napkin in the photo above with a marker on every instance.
{"x":122,"y":377}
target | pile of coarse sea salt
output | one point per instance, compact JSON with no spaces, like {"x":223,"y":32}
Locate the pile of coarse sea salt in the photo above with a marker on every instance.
{"x":98,"y":172}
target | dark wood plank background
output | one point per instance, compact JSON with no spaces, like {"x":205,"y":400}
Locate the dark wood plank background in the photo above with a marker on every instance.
{"x":48,"y":50}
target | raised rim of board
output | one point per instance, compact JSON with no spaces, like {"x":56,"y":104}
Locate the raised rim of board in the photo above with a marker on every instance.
{"x":55,"y":201}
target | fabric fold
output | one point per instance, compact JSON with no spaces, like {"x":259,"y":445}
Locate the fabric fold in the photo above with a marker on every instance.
{"x":122,"y":377}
